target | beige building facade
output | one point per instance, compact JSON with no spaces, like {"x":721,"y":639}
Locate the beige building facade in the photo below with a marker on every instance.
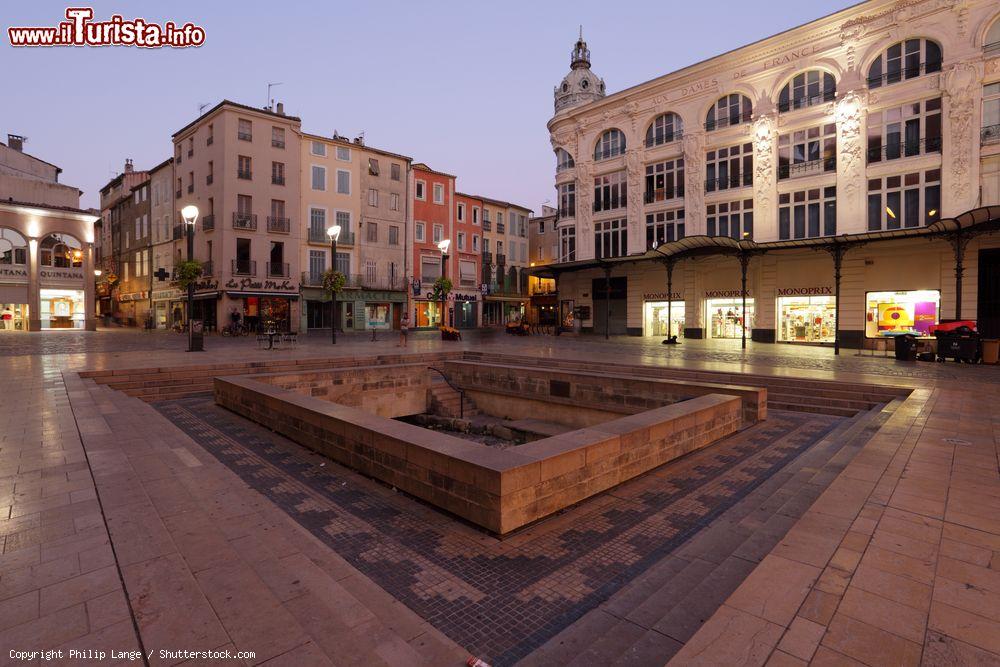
{"x":241,"y":167}
{"x":872,"y":124}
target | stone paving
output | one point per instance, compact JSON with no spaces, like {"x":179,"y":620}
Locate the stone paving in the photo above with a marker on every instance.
{"x":895,"y":562}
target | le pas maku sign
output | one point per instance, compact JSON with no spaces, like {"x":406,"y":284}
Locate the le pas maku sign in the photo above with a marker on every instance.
{"x":251,"y":284}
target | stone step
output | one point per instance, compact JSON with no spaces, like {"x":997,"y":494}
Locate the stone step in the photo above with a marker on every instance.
{"x":814,"y":409}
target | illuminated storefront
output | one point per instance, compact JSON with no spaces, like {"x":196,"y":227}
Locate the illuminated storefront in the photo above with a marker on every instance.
{"x":428,"y":313}
{"x":725,"y":317}
{"x":378,"y":315}
{"x":655,"y":321}
{"x":911,"y":311}
{"x":62,"y":309}
{"x":13,"y":317}
{"x":806,"y":319}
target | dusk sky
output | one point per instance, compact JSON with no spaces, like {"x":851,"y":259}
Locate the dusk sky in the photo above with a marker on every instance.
{"x":464,"y":86}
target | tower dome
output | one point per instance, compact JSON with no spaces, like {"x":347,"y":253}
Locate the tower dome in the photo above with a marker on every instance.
{"x":581,"y":85}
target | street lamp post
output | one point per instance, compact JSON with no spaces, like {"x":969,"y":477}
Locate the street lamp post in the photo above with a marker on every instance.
{"x":334,"y":234}
{"x":190,"y":215}
{"x":443,"y":247}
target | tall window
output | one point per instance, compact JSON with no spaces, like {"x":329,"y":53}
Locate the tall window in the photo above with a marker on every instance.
{"x":460,"y":213}
{"x":438,"y":193}
{"x":732,"y":219}
{"x":343,"y":182}
{"x":244,"y":131}
{"x":610,"y":191}
{"x":394,"y":171}
{"x":278,"y":137}
{"x":908,"y":200}
{"x":243,"y":166}
{"x":418,"y":231}
{"x":904,"y":60}
{"x":461,"y":241}
{"x":664,"y":129}
{"x":912,"y":129}
{"x":343,"y":154}
{"x":438,"y":232}
{"x":807,"y":152}
{"x":393,"y":201}
{"x":278,"y":173}
{"x":806,"y":89}
{"x":317,"y":224}
{"x":318,"y":148}
{"x":420,"y":194}
{"x":610,"y":238}
{"x":664,"y":227}
{"x":393,"y":234}
{"x":664,"y":180}
{"x":990,"y":132}
{"x":732,"y":109}
{"x":564,"y":160}
{"x":727,"y":168}
{"x":611,"y":144}
{"x":372,"y":229}
{"x":807,"y":213}
{"x":567,"y":244}
{"x":372,"y":197}
{"x":318,"y":178}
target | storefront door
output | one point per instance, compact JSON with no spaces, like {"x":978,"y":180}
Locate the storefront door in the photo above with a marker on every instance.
{"x":655,"y":318}
{"x":62,"y":309}
{"x":806,"y":319}
{"x":726,"y":320}
{"x":614,"y":313}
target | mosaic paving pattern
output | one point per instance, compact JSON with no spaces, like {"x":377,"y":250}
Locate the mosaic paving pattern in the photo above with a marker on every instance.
{"x":500,"y":599}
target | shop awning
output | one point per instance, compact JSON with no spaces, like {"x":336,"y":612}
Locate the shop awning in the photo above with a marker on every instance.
{"x":979,"y":220}
{"x":279,"y":295}
{"x":201,"y":295}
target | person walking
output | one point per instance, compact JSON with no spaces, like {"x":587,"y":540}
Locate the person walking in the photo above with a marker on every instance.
{"x":404,"y":329}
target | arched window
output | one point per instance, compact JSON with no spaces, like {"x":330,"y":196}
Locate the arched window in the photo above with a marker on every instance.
{"x":13,"y":247}
{"x":61,"y":251}
{"x":806,"y":89}
{"x":992,"y":42}
{"x":732,"y":109}
{"x":611,"y":144}
{"x":664,"y":129}
{"x":904,"y":60}
{"x":564,"y":160}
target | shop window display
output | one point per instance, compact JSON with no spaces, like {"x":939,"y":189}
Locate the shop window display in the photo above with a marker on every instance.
{"x":655,"y":318}
{"x":62,"y":309}
{"x":806,"y":319}
{"x":726,"y":320}
{"x":377,"y":316}
{"x":892,"y":313}
{"x":13,"y":317}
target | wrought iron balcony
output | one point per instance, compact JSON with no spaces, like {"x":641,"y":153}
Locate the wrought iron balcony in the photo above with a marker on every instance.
{"x":662,"y":194}
{"x":664,"y":139}
{"x":827,"y":95}
{"x":727,"y":121}
{"x":319,"y":236}
{"x":244,"y":136}
{"x":208,"y":223}
{"x":277,"y":143}
{"x":312,"y":278}
{"x":806,"y":168}
{"x":277,"y":180}
{"x":501,"y":260}
{"x":207,"y":269}
{"x":487,"y":226}
{"x":376,"y":282}
{"x":487,"y":257}
{"x":501,"y":228}
{"x":278,"y":225}
{"x":903,"y":149}
{"x":246,"y":221}
{"x":729,"y":182}
{"x":244,"y":174}
{"x":990,"y":134}
{"x":244,"y":267}
{"x":277,"y":269}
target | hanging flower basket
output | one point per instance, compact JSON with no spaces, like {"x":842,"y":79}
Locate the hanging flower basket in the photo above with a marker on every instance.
{"x":186,"y":272}
{"x":334,"y":281}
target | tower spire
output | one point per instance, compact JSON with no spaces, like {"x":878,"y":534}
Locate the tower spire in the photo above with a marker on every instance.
{"x":581,"y":54}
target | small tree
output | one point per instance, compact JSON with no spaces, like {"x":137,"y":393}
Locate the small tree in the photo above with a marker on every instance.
{"x":441,"y":289}
{"x":187,"y":272}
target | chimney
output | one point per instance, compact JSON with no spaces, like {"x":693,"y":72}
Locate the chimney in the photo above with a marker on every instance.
{"x":16,"y":142}
{"x":281,"y":108}
{"x":128,"y":165}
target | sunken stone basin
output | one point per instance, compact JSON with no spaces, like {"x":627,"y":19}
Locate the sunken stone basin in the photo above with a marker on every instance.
{"x":624,"y":426}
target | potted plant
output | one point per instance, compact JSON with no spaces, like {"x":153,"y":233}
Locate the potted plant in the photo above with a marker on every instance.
{"x":450,"y":333}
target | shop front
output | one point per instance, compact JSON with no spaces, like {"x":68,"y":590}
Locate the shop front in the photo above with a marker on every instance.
{"x":806,"y":315}
{"x":725,"y":317}
{"x":426,"y":313}
{"x":133,"y":308}
{"x":383,"y":309}
{"x":260,"y":311}
{"x":162,"y":311}
{"x":62,"y":309}
{"x":13,"y":292}
{"x":544,"y":309}
{"x":909,"y":311}
{"x":663,"y":315}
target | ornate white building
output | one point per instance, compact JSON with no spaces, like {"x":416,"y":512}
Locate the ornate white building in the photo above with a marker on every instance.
{"x":877,"y":122}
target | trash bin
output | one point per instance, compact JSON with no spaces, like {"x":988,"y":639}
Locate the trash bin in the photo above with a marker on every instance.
{"x":991,"y":350}
{"x":197,"y":336}
{"x":906,"y":347}
{"x":960,"y":344}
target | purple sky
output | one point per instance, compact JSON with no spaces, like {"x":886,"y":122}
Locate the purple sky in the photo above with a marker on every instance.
{"x":463,"y":86}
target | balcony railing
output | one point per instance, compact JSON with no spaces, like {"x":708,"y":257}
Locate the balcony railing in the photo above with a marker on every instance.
{"x":990,"y":134}
{"x":827,"y":95}
{"x":312,"y":279}
{"x":487,"y":226}
{"x":190,"y":188}
{"x":728,"y":182}
{"x":501,"y":228}
{"x":277,"y":269}
{"x":319,"y":236}
{"x":246,"y":175}
{"x":247,"y":221}
{"x":244,"y":267}
{"x":904,"y":73}
{"x":365,"y":281}
{"x":501,"y":260}
{"x":903,"y":149}
{"x":487,"y":257}
{"x":667,"y":138}
{"x":277,"y":143}
{"x":208,"y":223}
{"x":207,"y":269}
{"x":277,"y":180}
{"x":178,"y":231}
{"x":727,"y":121}
{"x":278,"y":225}
{"x":806,"y":168}
{"x":662,"y":194}
{"x":209,"y":179}
{"x":245,"y":136}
